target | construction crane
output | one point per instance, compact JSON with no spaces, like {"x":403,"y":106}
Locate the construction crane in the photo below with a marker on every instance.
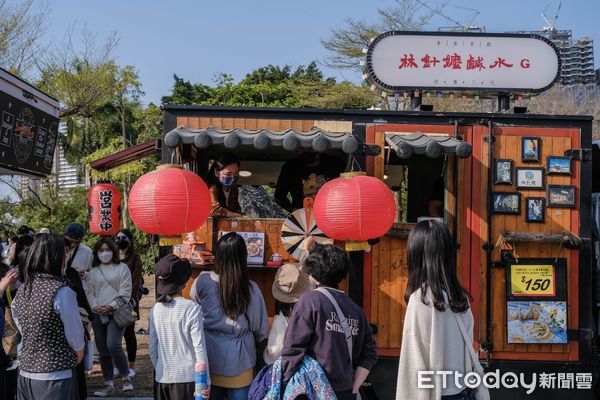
{"x":551,"y":27}
{"x":458,"y":26}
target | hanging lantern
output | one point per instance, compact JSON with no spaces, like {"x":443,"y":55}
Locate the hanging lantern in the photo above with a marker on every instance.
{"x":168,"y":202}
{"x":355,"y":208}
{"x":104,"y":209}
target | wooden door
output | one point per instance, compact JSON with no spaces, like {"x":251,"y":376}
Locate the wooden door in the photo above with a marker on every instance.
{"x":507,"y":145}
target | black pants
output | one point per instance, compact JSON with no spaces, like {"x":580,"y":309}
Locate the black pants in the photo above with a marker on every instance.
{"x":130,"y":342}
{"x":175,"y":391}
{"x":81,"y":384}
{"x":8,"y":379}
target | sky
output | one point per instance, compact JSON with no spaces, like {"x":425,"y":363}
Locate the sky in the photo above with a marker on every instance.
{"x":198,"y":39}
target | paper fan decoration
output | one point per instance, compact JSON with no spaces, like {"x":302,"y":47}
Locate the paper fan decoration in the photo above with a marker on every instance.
{"x":297,"y":228}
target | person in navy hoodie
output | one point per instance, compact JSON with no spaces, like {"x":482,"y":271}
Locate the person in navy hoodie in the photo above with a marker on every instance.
{"x":315,"y":329}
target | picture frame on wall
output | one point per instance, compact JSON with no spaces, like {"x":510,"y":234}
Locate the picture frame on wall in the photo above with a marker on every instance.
{"x":561,"y":196}
{"x":559,"y":165}
{"x":535,"y":209}
{"x":530,"y":178}
{"x":503,"y":171}
{"x":531,"y":148}
{"x":506,"y":203}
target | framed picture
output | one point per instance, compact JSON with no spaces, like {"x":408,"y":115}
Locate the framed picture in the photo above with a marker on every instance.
{"x":561,"y":196}
{"x":536,"y":209}
{"x":503,"y":172}
{"x":529,"y":178}
{"x":558,"y":165}
{"x":531,"y":149}
{"x":506,"y":203}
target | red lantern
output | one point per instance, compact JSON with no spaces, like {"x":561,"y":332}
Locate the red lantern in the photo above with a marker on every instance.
{"x":355,"y":208}
{"x":104,"y":209}
{"x":169,"y":201}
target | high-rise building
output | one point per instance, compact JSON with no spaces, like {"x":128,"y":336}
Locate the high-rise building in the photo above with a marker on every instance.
{"x":577,"y":56}
{"x":67,"y":176}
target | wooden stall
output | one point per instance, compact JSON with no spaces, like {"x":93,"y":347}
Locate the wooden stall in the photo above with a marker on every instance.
{"x":495,"y":216}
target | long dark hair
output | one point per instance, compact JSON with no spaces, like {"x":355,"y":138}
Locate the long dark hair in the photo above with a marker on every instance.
{"x":45,"y":256}
{"x":431,"y":266}
{"x":129,"y":234}
{"x":113,"y":247}
{"x":231,"y":266}
{"x":218,"y":165}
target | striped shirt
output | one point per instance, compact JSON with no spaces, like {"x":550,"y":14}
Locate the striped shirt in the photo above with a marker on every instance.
{"x":176,"y":340}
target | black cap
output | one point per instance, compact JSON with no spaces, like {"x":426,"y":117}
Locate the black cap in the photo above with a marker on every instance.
{"x":172,"y":273}
{"x":75,"y":230}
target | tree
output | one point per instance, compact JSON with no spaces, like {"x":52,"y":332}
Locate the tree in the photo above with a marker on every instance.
{"x":274,"y":86}
{"x":126,"y":98}
{"x":568,"y":100}
{"x":82,"y":77}
{"x":347,"y":42}
{"x":20,"y":30}
{"x":47,"y":206}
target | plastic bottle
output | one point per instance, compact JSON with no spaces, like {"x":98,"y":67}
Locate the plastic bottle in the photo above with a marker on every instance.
{"x":201,"y":380}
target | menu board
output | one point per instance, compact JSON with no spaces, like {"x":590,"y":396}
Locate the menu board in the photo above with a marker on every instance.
{"x":255,"y":244}
{"x":28,"y":137}
{"x":536,"y":309}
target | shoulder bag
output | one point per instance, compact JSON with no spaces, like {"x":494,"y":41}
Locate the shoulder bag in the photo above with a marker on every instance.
{"x":481,"y":392}
{"x":123,"y":315}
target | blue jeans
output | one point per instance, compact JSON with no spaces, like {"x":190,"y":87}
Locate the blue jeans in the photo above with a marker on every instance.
{"x":220,"y":393}
{"x":109,"y":339}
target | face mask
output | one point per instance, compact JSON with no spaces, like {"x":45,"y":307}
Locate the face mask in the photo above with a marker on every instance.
{"x":105,"y":256}
{"x":228,"y":181}
{"x":122,"y":243}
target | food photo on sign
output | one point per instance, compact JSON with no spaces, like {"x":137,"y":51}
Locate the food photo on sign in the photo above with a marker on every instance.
{"x":536,"y":306}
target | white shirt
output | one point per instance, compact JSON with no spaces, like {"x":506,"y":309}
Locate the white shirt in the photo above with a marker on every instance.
{"x":176,"y":331}
{"x":83,"y":258}
{"x":104,"y":281}
{"x":431,"y":341}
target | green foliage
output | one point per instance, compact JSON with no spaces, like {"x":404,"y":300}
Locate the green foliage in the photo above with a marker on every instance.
{"x":274,"y":86}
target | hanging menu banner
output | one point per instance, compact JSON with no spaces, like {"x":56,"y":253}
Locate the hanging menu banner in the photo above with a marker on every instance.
{"x":27,"y":137}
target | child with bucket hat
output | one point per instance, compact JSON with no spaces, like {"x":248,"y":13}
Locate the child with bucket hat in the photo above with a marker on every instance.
{"x":177,"y":346}
{"x":289,"y":285}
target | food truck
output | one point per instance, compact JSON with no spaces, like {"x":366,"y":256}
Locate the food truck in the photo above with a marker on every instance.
{"x":516,"y":194}
{"x":515,"y":190}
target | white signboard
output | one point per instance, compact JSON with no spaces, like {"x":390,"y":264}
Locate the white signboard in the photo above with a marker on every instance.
{"x":462,"y":61}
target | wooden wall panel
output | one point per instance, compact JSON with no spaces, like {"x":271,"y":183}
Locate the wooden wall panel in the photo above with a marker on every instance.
{"x":508,"y":145}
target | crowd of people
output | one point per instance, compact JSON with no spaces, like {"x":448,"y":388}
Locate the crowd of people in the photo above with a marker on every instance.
{"x":320,"y":344}
{"x":55,"y":292}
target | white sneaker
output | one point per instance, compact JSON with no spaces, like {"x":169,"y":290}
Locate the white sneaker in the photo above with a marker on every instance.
{"x":127,"y":385}
{"x":131,"y":372}
{"x":106,"y":391}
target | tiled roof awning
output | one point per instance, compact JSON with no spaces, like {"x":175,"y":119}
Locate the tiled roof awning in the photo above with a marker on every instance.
{"x":432,"y":145}
{"x":291,"y":139}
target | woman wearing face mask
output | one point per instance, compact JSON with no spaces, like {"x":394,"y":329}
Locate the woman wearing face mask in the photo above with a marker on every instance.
{"x":109,"y":283}
{"x":222,"y":181}
{"x":127,"y":255}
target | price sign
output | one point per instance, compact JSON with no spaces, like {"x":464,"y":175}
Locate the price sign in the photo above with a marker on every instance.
{"x":532,"y":280}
